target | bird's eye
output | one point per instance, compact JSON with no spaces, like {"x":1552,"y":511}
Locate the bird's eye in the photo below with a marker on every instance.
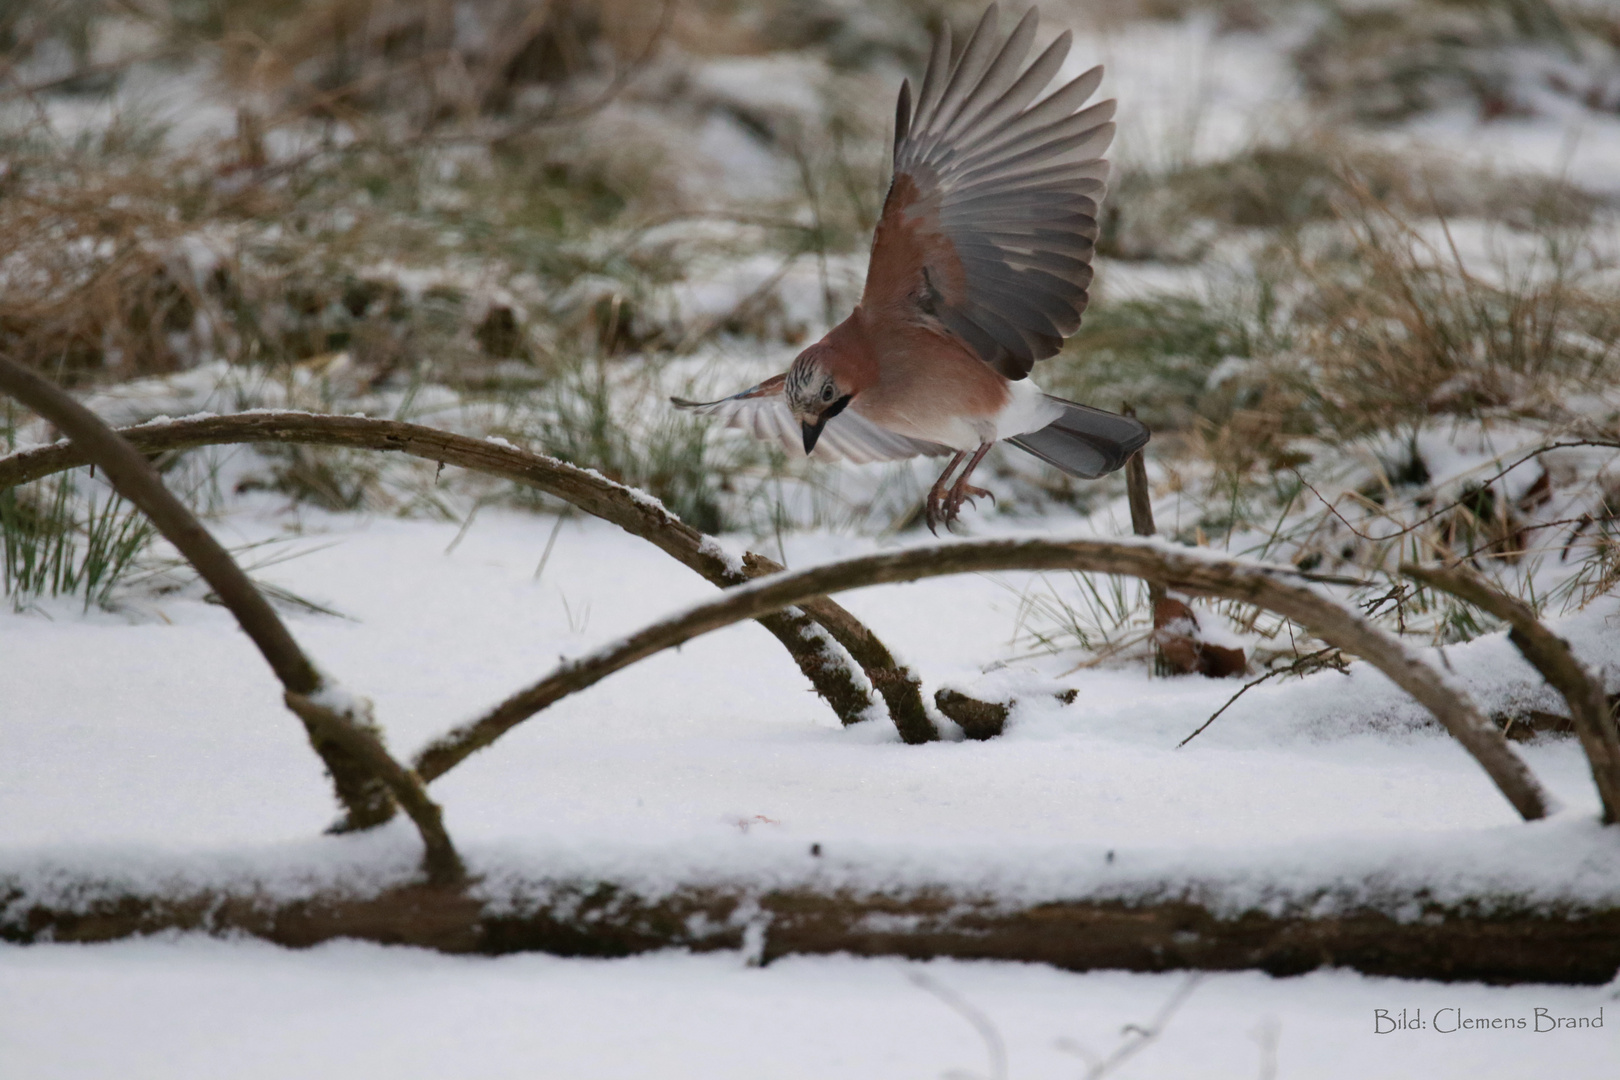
{"x":827,"y":392}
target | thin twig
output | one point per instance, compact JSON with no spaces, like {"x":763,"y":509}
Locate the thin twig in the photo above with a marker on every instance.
{"x":1252,"y":683}
{"x":1334,"y":510}
{"x":551,"y":542}
{"x":995,"y":1046}
{"x":1139,"y":1038}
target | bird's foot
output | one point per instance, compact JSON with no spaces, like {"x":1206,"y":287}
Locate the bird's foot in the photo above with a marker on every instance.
{"x":943,"y":504}
{"x":935,"y":507}
{"x":962,"y":493}
{"x":944,"y":508}
{"x":933,"y":510}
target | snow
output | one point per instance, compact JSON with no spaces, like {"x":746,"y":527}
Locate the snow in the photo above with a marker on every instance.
{"x":146,"y":750}
{"x":1194,"y":93}
{"x":1330,"y":786}
{"x":731,"y":556}
{"x":335,"y":697}
{"x":181,"y":1008}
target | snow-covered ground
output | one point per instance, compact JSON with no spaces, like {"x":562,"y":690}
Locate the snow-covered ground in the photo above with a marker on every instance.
{"x":195,"y":1008}
{"x":161,"y":731}
{"x":147,"y":749}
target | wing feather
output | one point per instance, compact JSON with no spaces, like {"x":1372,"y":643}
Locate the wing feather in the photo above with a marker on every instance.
{"x":970,"y":66}
{"x":933,"y":84}
{"x":1018,"y":96}
{"x":991,"y":222}
{"x":998,"y":77}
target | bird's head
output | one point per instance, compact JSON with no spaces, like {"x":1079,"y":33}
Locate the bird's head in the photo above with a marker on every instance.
{"x":814,"y":392}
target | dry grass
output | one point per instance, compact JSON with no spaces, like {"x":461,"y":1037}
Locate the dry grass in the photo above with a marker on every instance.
{"x":1402,"y":329}
{"x":1387,"y":62}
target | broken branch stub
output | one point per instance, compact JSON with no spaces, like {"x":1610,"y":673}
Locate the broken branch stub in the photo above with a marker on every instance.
{"x":1278,"y":589}
{"x":800,"y":632}
{"x":1557,"y":663}
{"x":349,"y":746}
{"x":1178,"y":647}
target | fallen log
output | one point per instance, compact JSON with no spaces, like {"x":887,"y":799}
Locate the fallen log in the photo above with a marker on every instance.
{"x":593,"y":918}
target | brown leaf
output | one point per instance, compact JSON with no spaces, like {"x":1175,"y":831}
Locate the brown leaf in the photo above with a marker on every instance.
{"x":1175,"y":631}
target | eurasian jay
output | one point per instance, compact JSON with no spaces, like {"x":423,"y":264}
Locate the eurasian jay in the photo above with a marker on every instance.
{"x":979,"y":268}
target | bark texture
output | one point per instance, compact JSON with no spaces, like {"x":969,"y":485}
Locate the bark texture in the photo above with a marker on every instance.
{"x":440,"y":860}
{"x":602,"y":919}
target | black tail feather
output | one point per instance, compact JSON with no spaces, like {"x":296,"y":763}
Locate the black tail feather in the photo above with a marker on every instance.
{"x":1085,"y":442}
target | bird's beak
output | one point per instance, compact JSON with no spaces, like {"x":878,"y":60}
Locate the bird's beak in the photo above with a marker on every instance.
{"x":812,"y":432}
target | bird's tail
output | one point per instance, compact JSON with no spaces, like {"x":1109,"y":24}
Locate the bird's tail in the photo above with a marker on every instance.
{"x":1084,"y":442}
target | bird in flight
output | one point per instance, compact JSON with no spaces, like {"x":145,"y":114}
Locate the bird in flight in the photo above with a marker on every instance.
{"x":979,"y":268}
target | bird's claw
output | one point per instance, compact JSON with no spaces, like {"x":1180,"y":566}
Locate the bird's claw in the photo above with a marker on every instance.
{"x":944,"y":508}
{"x":962,"y":493}
{"x":944,"y":505}
{"x":934,"y":512}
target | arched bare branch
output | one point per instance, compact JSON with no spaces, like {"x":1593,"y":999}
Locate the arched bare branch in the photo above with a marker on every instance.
{"x":1278,"y":589}
{"x":440,"y":859}
{"x":362,"y":769}
{"x":1558,"y":664}
{"x":632,"y":511}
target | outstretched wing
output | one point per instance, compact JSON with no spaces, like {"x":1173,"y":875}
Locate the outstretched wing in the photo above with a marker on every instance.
{"x":991,"y":218}
{"x":763,"y":411}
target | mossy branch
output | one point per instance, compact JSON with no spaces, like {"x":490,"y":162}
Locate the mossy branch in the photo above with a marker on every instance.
{"x":1278,"y":589}
{"x":630,"y":510}
{"x":1558,"y":664}
{"x":355,"y":757}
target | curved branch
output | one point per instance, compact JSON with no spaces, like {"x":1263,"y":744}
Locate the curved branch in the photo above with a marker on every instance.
{"x":439,"y":857}
{"x":348,"y":745}
{"x":93,"y":442}
{"x":1558,"y":664}
{"x":1273,"y":588}
{"x":630,"y":510}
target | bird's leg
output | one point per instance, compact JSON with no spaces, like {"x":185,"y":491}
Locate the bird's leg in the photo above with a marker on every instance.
{"x":936,"y":494}
{"x":962,"y":491}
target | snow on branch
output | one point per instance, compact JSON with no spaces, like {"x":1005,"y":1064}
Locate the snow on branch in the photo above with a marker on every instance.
{"x":1283,"y":590}
{"x":1364,"y":925}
